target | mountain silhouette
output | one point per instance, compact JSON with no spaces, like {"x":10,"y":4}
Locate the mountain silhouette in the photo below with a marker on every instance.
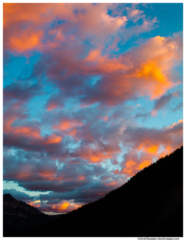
{"x":19,"y":217}
{"x":149,"y":204}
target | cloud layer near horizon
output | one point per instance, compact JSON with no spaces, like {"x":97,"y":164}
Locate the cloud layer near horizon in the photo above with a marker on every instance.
{"x":83,"y":110}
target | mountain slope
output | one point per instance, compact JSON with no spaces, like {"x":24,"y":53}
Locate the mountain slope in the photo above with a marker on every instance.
{"x":150,"y":204}
{"x":19,"y":216}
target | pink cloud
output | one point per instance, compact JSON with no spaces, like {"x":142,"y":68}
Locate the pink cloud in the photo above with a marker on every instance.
{"x":96,"y":154}
{"x":151,"y":144}
{"x":67,"y":124}
{"x":145,"y":71}
{"x":37,"y":16}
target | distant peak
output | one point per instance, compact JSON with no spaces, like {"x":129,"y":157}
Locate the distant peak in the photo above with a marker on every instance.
{"x":7,"y":197}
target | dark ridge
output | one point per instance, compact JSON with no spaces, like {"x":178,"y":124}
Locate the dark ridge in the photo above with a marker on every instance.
{"x":19,"y":217}
{"x":149,"y":204}
{"x":8,"y":198}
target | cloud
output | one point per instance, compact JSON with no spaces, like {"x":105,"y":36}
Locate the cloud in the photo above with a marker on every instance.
{"x":66,"y":124}
{"x":56,"y":101}
{"x":70,"y":125}
{"x":145,"y":71}
{"x":20,"y":91}
{"x":146,"y":68}
{"x":160,"y":103}
{"x":148,"y":144}
{"x":178,"y":107}
{"x":36,"y":18}
{"x":18,"y":195}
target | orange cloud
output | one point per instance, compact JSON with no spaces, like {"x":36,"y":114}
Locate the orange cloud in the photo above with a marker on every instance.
{"x":28,"y":41}
{"x":103,"y":63}
{"x":51,"y":107}
{"x":148,"y":147}
{"x":69,"y":127}
{"x":22,"y":131}
{"x":152,"y":145}
{"x":94,"y":55}
{"x":65,"y":206}
{"x":116,"y":171}
{"x":96,"y":155}
{"x":132,"y":167}
{"x":32,"y":133}
{"x":144,"y":71}
{"x":73,"y":133}
{"x":67,"y":124}
{"x":81,"y":178}
{"x":7,"y":125}
{"x":105,"y":118}
{"x":38,"y":15}
{"x":53,"y":139}
{"x":28,"y":132}
{"x":22,"y":175}
{"x":175,"y":124}
{"x":144,"y":164}
{"x":151,"y":71}
{"x":47,"y":174}
{"x":111,"y":183}
{"x":129,"y":169}
{"x":35,"y":204}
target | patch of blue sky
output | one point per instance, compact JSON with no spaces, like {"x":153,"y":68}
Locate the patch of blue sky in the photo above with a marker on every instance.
{"x":10,"y":152}
{"x":130,"y":23}
{"x":178,"y":88}
{"x":46,"y":130}
{"x":92,"y":145}
{"x":71,"y":105}
{"x":124,"y":150}
{"x":120,"y":9}
{"x":169,"y":21}
{"x":139,"y":154}
{"x":178,"y":99}
{"x":14,"y":185}
{"x":95,"y":177}
{"x":36,"y":106}
{"x":58,"y":22}
{"x":73,"y":145}
{"x":13,"y":70}
{"x":141,"y":102}
{"x":125,"y":46}
{"x":90,"y":106}
{"x":94,"y":79}
{"x":164,"y":118}
{"x":108,"y":165}
{"x":79,"y":11}
{"x":48,"y":87}
{"x":170,"y":17}
{"x":18,"y":68}
{"x":177,"y":72}
{"x":59,"y":165}
{"x":177,"y":106}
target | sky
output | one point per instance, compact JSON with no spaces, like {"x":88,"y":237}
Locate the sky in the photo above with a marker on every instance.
{"x":92,"y":94}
